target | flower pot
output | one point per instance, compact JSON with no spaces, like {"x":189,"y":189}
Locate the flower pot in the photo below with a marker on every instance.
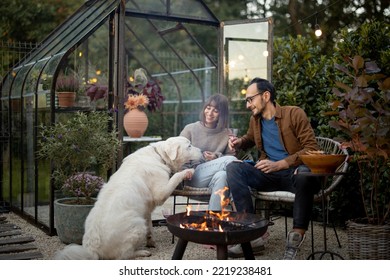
{"x":135,"y":123}
{"x":69,"y":220}
{"x":368,"y":241}
{"x":66,"y":99}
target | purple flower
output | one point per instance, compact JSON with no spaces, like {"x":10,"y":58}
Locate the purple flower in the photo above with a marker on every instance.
{"x":83,"y":185}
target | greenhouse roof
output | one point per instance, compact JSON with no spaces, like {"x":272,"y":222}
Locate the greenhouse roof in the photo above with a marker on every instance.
{"x":146,"y":20}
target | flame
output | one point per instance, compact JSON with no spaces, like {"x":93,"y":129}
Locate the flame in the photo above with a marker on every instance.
{"x":220,"y":216}
{"x":225,"y":201}
{"x":188,"y":210}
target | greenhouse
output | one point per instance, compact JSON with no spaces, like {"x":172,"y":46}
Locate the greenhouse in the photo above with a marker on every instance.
{"x":180,"y":45}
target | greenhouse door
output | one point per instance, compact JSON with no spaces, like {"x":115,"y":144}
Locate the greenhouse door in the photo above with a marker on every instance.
{"x":245,"y":53}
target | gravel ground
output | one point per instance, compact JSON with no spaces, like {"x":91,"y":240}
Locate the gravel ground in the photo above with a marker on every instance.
{"x":274,"y":249}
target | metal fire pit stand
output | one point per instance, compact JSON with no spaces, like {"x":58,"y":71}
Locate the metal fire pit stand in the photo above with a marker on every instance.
{"x":325,"y":251}
{"x":222,"y":252}
{"x":241,"y":229}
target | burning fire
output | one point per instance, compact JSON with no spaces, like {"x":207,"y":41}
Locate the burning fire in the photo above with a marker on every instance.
{"x":211,"y":219}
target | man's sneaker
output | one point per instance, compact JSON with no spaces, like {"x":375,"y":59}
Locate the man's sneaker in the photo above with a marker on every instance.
{"x":294,"y":241}
{"x":257,"y":245}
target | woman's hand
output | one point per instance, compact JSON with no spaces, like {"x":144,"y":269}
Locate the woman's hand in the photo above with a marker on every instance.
{"x":209,"y":155}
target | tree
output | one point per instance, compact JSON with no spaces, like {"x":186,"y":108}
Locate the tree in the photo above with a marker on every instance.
{"x":32,"y":20}
{"x":299,"y":17}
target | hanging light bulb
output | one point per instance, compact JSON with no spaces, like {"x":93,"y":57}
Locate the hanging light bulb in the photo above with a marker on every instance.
{"x":317,"y":28}
{"x":317,"y":31}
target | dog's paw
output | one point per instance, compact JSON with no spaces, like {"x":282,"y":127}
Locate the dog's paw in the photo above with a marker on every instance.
{"x":187,"y":173}
{"x":142,"y":253}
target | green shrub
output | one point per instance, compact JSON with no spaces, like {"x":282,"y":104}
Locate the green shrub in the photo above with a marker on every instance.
{"x":83,"y":143}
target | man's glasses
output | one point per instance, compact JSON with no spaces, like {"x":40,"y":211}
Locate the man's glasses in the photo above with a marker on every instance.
{"x":250,"y":99}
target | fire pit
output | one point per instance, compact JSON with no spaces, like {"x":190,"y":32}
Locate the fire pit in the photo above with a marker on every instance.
{"x":216,"y":228}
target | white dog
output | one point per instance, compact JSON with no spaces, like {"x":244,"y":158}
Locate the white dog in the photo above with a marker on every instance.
{"x":120,"y":222}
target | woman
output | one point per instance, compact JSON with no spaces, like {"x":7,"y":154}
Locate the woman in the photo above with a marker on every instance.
{"x":211,"y":135}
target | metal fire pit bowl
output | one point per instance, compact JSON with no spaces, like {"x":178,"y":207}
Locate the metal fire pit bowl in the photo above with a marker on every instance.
{"x":241,"y":229}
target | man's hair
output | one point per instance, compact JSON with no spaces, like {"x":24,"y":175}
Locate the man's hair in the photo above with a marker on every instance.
{"x":264,"y":85}
{"x":221,"y":103}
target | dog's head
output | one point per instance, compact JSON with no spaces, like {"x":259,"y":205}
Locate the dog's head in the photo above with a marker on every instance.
{"x":176,"y":151}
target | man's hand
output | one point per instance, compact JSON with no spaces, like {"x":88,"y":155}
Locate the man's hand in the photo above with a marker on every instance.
{"x":268,"y":166}
{"x":234,"y":143}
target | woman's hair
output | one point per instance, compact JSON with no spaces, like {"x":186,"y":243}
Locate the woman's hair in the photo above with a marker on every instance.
{"x":221,"y":103}
{"x":264,"y":85}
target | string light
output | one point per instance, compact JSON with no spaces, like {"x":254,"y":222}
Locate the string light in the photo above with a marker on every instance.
{"x":318,"y":31}
{"x":300,"y":21}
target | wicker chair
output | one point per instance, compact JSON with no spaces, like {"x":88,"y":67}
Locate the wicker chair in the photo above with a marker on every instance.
{"x":195,"y":196}
{"x":283,"y":197}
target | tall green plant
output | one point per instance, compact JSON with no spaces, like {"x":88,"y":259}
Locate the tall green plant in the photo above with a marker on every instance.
{"x":302,"y":77}
{"x":83,"y":143}
{"x":363,"y":104}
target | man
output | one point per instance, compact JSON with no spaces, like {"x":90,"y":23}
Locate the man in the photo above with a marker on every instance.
{"x":281,"y":134}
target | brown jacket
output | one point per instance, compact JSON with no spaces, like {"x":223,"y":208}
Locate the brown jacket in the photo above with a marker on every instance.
{"x":295,"y":132}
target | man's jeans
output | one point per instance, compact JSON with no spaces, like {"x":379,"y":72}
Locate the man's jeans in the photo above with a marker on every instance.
{"x":212,"y":174}
{"x":241,"y":177}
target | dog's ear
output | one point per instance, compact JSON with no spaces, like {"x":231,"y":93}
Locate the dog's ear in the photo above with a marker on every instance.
{"x":167,"y":148}
{"x":172,"y":151}
{"x":174,"y":144}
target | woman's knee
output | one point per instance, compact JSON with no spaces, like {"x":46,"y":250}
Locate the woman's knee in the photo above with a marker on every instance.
{"x":229,"y":159}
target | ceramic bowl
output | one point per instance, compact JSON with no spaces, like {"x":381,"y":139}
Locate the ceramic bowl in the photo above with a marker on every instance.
{"x":323,"y":163}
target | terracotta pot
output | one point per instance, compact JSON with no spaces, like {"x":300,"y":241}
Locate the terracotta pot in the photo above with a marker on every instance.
{"x":66,"y":99}
{"x":135,"y":123}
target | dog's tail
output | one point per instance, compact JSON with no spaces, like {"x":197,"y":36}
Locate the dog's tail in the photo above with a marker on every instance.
{"x":75,"y":252}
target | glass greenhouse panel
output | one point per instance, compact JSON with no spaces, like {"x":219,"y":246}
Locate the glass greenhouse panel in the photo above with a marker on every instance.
{"x":31,"y":85}
{"x":188,"y":9}
{"x":67,"y":35}
{"x":17,"y":85}
{"x":172,"y":56}
{"x":6,"y":86}
{"x":28,"y":156}
{"x":46,"y":83}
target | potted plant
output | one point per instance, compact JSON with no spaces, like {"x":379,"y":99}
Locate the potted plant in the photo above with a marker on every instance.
{"x":66,"y":88}
{"x":82,"y":150}
{"x":71,"y":212}
{"x":141,"y":94}
{"x":363,"y":104}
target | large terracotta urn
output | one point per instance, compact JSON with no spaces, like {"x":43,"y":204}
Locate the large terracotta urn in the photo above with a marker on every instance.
{"x":135,"y":123}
